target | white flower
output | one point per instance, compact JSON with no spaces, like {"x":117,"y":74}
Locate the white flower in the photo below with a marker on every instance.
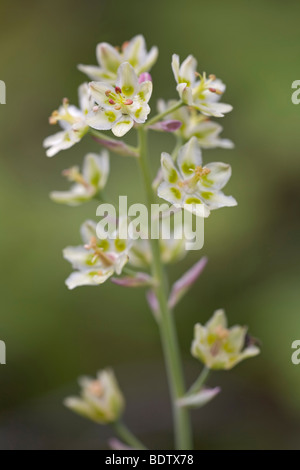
{"x":98,"y":259}
{"x":100,"y":400}
{"x":122,"y":105}
{"x":195,"y":124}
{"x":88,"y":184}
{"x":198,"y":91}
{"x":193,"y":186}
{"x":73,"y":122}
{"x":219,"y":347}
{"x":109,"y":59}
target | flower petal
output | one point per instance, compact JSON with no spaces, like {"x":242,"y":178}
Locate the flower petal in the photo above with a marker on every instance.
{"x":170,"y":193}
{"x":97,"y":73}
{"x":98,"y":92}
{"x":135,"y":50}
{"x":127,"y":80}
{"x":76,"y":196}
{"x":175,"y":66}
{"x":88,"y":231}
{"x":108,"y":57}
{"x":103,"y":119}
{"x":218,"y":319}
{"x":145,"y":91}
{"x":91,"y":278}
{"x":170,"y":173}
{"x":60,"y":141}
{"x":79,"y":257}
{"x":84,"y":98}
{"x":187,"y":70}
{"x":213,"y":109}
{"x":96,"y":169}
{"x":122,"y":126}
{"x":189,"y":157}
{"x":218,"y":177}
{"x":217,"y":199}
{"x":139,"y":111}
{"x":149,"y":61}
{"x":185,"y":93}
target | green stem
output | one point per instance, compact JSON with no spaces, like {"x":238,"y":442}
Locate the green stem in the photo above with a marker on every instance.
{"x":160,"y":116}
{"x":196,"y":387}
{"x":126,"y":435}
{"x":183,"y":435}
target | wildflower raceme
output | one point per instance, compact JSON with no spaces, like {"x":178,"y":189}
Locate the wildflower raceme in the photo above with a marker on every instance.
{"x":117,"y":100}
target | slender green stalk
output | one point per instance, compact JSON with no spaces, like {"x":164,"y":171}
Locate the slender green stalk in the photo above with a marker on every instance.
{"x":183,"y":435}
{"x":126,"y":435}
{"x":160,"y":116}
{"x":196,"y":387}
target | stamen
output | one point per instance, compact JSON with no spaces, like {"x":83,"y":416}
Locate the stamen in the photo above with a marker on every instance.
{"x":111,"y":101}
{"x":54,"y":118}
{"x":128,"y":102}
{"x":221,"y":332}
{"x":73,"y":174}
{"x":108,"y":92}
{"x":96,"y":389}
{"x":99,"y":253}
{"x":118,"y":90}
{"x":95,"y":109}
{"x":118,"y":107}
{"x":212,"y":77}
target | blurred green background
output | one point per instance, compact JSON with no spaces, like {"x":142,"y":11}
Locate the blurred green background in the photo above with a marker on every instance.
{"x":53,"y":335}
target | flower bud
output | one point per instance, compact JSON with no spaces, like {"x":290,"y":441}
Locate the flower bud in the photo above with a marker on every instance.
{"x":100,"y":400}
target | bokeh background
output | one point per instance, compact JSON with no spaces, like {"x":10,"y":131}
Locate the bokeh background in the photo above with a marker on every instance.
{"x":53,"y":335}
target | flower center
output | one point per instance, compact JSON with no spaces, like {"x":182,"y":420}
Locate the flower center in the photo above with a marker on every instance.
{"x":73,"y":174}
{"x":96,"y":389}
{"x":198,"y":173}
{"x":99,"y":253}
{"x":204,"y":85}
{"x":64,"y":115}
{"x":119,"y":98}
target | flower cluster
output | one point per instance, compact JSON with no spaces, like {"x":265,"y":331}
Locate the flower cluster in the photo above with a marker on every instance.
{"x":117,"y":100}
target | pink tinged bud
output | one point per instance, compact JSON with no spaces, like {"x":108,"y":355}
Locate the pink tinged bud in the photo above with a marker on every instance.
{"x":139,"y":280}
{"x":186,"y":281}
{"x":153,"y":303}
{"x":128,"y":102}
{"x":111,"y":101}
{"x":115,"y":444}
{"x":118,"y":89}
{"x":167,"y":126}
{"x":197,"y":400}
{"x":117,"y":146}
{"x":145,"y":77}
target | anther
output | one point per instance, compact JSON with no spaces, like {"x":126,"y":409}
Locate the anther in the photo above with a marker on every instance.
{"x":111,"y":101}
{"x":128,"y":102}
{"x":118,"y":90}
{"x":108,"y":92}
